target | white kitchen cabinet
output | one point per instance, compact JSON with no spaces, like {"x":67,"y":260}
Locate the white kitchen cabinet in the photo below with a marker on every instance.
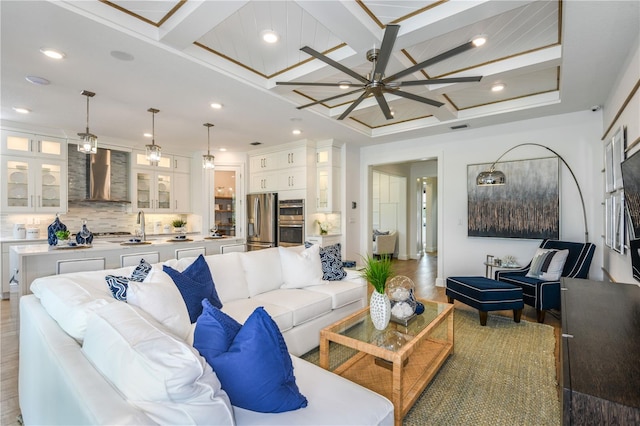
{"x":33,"y":185}
{"x":181,"y":164}
{"x":292,"y":179}
{"x":294,"y":157}
{"x":32,"y":145}
{"x":181,"y":193}
{"x":140,"y":161}
{"x":263,"y":182}
{"x":8,"y":272}
{"x":152,"y":191}
{"x":263,"y":162}
{"x":328,"y":167}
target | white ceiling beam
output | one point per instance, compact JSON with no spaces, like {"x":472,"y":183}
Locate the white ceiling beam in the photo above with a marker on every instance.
{"x":195,"y":19}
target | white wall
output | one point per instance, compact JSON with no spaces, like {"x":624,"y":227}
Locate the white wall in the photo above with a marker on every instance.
{"x":351,"y":217}
{"x":576,"y":137}
{"x":619,"y":102}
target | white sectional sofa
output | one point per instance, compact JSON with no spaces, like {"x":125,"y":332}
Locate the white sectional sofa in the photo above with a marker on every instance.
{"x":81,"y":350}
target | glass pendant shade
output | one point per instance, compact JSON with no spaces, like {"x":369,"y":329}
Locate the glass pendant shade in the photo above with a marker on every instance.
{"x":153,"y":151}
{"x":490,"y":178}
{"x":208,"y":159}
{"x":88,"y":142}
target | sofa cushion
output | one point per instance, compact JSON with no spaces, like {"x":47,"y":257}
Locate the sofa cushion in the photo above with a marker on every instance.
{"x":240,"y":310}
{"x":195,"y":283}
{"x":262,"y":269}
{"x":228,"y":275}
{"x":256,"y":371}
{"x":342,"y":293}
{"x":331,"y":259}
{"x":547,"y":264}
{"x":159,"y":297}
{"x":304,"y":305}
{"x":214,"y":331}
{"x":158,"y":373}
{"x":301,"y":269}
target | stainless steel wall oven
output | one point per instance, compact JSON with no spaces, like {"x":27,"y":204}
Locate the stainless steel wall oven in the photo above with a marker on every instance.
{"x":290,"y":222}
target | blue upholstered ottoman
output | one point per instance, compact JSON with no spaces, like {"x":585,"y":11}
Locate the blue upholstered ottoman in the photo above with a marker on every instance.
{"x":485,"y":295}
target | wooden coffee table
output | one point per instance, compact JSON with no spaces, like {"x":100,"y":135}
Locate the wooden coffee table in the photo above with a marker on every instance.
{"x":398,"y":362}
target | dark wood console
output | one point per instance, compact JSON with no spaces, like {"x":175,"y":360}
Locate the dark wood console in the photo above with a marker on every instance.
{"x":600,"y":353}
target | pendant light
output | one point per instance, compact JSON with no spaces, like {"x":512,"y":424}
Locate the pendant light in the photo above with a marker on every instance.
{"x":154,"y":152}
{"x":207,"y":160}
{"x":88,"y":141}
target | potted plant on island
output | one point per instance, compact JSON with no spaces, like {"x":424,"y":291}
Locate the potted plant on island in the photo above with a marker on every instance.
{"x":377,"y":272}
{"x":178,"y":225}
{"x":63,"y":237}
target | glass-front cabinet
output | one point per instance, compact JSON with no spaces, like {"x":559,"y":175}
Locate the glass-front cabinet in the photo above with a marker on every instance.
{"x":225,"y":202}
{"x":153,"y":191}
{"x":33,"y":185}
{"x":32,"y":145}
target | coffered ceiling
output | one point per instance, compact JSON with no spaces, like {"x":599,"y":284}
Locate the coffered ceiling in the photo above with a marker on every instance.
{"x":179,"y":56}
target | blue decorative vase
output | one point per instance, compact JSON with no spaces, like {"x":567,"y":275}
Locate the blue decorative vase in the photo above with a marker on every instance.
{"x":84,"y":237}
{"x":55,"y":226}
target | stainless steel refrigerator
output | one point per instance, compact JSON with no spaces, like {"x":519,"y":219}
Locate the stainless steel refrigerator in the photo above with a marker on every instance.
{"x":262,"y":221}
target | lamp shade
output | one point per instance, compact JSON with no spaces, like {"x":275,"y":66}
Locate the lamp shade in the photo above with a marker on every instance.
{"x":491,"y":177}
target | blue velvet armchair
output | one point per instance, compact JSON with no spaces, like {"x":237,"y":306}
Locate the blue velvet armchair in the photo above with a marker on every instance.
{"x":545,"y":295}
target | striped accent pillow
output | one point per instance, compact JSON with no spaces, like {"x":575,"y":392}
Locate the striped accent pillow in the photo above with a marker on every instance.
{"x":547,"y":264}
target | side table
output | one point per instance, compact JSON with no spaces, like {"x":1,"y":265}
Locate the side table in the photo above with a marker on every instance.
{"x":490,"y":264}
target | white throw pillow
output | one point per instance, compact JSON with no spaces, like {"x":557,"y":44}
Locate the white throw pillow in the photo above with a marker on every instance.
{"x":262,"y":270}
{"x":228,"y":276}
{"x":156,"y":372}
{"x":547,"y":264}
{"x":159,"y":297}
{"x":301,"y":269}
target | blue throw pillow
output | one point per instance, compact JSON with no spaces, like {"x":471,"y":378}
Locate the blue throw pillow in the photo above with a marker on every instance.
{"x":214,"y":331}
{"x":331,"y":259}
{"x":256,"y":371}
{"x":195,"y":283}
{"x":119,"y":285}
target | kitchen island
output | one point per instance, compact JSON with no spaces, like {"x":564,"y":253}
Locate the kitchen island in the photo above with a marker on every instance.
{"x":39,"y":260}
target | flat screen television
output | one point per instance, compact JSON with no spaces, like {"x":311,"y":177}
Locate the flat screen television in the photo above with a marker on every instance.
{"x":631,"y":182}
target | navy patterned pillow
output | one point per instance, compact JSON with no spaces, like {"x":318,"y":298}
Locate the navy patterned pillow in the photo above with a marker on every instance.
{"x":331,"y":259}
{"x":118,"y":285}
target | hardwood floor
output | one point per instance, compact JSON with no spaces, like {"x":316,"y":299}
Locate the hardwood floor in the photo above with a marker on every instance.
{"x":423,"y":272}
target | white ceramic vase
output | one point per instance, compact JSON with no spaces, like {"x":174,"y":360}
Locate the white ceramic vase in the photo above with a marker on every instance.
{"x":380,"y":310}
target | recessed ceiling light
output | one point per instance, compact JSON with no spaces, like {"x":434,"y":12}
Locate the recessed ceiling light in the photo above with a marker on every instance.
{"x":52,"y":53}
{"x":216,"y":105}
{"x":344,"y":85}
{"x":37,"y":80}
{"x":222,"y":149}
{"x":479,"y":40}
{"x":147,"y":135}
{"x":21,"y":110}
{"x":269,"y":36}
{"x":296,"y":131}
{"x":498,"y":87}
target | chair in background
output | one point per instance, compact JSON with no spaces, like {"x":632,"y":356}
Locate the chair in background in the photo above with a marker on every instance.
{"x":384,"y":244}
{"x":544,"y":295}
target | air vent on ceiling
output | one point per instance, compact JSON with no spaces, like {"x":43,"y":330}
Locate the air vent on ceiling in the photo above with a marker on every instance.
{"x":461,"y":126}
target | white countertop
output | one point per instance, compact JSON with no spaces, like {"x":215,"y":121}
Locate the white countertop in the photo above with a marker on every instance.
{"x":98,"y":244}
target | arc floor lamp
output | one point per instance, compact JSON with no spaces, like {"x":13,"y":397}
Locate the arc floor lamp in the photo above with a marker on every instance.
{"x":493,"y":177}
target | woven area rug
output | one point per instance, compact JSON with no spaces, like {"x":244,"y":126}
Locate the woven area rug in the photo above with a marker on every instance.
{"x":501,"y":374}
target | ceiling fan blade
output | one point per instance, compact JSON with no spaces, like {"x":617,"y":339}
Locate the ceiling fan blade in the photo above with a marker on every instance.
{"x":441,"y":57}
{"x":330,"y":99}
{"x":334,"y":64}
{"x":389,"y":39}
{"x":415,"y":97}
{"x":293,"y":83}
{"x":384,"y":106}
{"x":440,"y":81}
{"x":353,"y":106}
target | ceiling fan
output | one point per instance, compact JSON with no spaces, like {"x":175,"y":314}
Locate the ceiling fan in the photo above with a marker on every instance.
{"x":376,"y":84}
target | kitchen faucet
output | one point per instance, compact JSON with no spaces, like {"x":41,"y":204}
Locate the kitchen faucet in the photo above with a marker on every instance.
{"x":141,"y":223}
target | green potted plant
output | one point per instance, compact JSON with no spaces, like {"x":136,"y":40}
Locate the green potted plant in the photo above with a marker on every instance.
{"x":178,"y":224}
{"x":377,"y":272}
{"x":63,"y":237}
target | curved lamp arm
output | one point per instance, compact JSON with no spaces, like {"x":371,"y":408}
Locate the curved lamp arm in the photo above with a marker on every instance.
{"x":584,"y":210}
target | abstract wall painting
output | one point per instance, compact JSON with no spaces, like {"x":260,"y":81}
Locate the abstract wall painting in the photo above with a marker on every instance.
{"x":527,"y":206}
